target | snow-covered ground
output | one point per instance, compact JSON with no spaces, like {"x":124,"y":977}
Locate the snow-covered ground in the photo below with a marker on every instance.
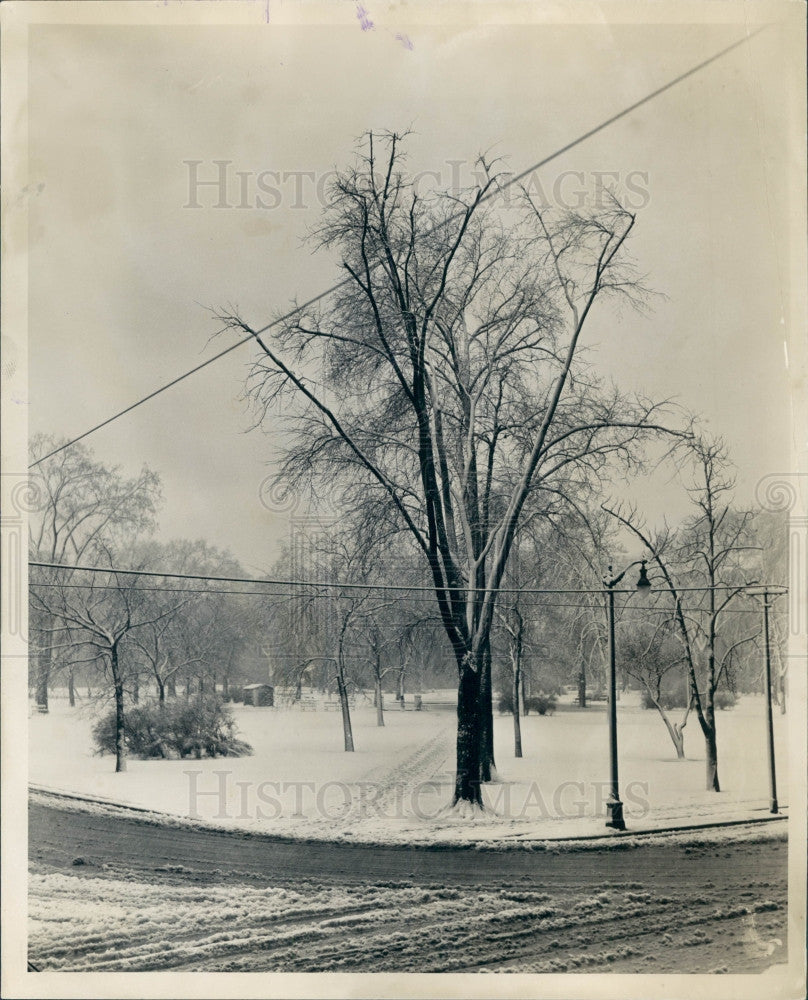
{"x":299,"y":782}
{"x":108,"y":921}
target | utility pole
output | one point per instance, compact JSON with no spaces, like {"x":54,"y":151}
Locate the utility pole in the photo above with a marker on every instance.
{"x":769,"y":723}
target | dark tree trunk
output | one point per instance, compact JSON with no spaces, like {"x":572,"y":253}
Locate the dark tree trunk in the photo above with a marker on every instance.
{"x":43,"y":675}
{"x":525,"y":693}
{"x":517,"y":725}
{"x":488,"y":768}
{"x":226,"y":688}
{"x":347,"y":732}
{"x":711,"y":747}
{"x":582,"y":687}
{"x":467,"y":779}
{"x":379,"y":699}
{"x":135,"y":690}
{"x":120,"y":742}
{"x":161,"y":693}
{"x":71,"y":689}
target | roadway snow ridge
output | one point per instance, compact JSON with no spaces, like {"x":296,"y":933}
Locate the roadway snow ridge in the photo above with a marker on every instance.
{"x":626,"y":838}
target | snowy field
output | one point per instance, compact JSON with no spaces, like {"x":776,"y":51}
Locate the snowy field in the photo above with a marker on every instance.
{"x":299,"y":782}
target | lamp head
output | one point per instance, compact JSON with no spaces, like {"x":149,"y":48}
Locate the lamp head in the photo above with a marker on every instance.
{"x":643,"y":584}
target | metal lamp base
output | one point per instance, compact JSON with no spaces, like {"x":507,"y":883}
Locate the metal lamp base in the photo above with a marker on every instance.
{"x":614,"y":815}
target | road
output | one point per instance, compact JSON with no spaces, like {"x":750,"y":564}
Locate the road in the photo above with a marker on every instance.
{"x":657,"y":907}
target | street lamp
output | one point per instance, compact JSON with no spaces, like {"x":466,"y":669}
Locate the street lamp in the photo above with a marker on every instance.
{"x":614,"y":807}
{"x":765,"y":594}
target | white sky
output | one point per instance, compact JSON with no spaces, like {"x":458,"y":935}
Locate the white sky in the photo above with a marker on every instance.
{"x":121,"y":273}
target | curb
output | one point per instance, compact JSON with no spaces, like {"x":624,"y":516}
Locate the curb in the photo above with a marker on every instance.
{"x":614,"y":836}
{"x":717,"y":824}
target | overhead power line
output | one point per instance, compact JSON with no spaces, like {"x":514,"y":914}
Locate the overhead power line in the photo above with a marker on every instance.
{"x":385,"y":587}
{"x":544,"y":605}
{"x":493,"y":193}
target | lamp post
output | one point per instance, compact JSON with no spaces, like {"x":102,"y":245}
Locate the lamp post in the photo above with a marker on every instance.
{"x":614,"y":807}
{"x":764,"y":595}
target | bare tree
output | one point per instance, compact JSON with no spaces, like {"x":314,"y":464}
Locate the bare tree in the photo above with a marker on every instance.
{"x":85,"y":506}
{"x":379,"y":640}
{"x":449,"y":384}
{"x":703,"y":567}
{"x":99,"y":615}
{"x":651,"y":656}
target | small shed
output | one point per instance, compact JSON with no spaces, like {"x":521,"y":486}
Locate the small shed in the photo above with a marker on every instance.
{"x":260,"y":695}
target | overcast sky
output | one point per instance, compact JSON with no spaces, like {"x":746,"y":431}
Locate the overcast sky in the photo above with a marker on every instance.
{"x":123,"y":270}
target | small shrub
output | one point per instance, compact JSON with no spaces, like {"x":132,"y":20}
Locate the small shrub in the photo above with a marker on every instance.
{"x":725,"y":699}
{"x":201,"y":727}
{"x":505,"y":703}
{"x":676,"y":695}
{"x":542,"y":704}
{"x":675,"y":692}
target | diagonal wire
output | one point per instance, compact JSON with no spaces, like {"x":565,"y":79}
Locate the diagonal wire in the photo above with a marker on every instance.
{"x":495,"y":191}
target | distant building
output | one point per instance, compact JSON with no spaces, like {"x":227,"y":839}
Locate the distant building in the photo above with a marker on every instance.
{"x":260,"y":695}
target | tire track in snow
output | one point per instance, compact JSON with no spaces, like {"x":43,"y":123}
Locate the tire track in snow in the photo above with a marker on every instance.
{"x":339,"y":909}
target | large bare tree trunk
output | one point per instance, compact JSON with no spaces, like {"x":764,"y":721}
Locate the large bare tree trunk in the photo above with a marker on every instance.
{"x":711,"y":746}
{"x":71,"y":688}
{"x":712,"y":783}
{"x":467,"y":779}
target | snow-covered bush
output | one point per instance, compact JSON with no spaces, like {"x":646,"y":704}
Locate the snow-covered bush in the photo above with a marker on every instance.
{"x":542,"y":704}
{"x":675,"y":693}
{"x":200,"y":727}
